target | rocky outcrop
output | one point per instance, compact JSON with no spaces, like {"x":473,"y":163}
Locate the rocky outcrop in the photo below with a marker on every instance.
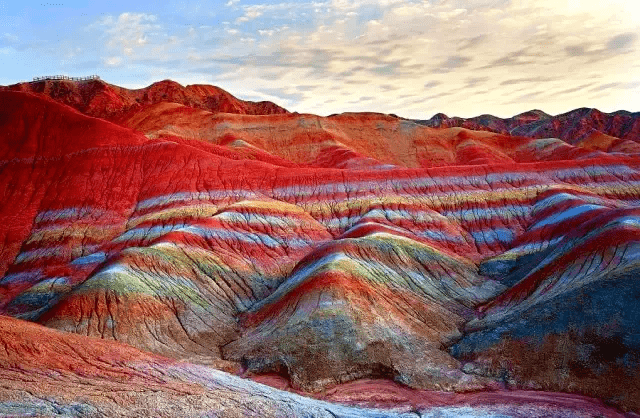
{"x":572,"y":302}
{"x":49,"y":373}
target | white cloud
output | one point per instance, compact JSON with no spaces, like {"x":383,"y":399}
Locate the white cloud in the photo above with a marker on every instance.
{"x":8,"y":38}
{"x":250,"y":13}
{"x":547,"y":46}
{"x":113,"y":61}
{"x":129,"y":31}
{"x":284,"y":10}
{"x":415,"y":57}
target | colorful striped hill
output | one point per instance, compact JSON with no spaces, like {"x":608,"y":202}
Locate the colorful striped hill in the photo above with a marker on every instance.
{"x":162,"y":233}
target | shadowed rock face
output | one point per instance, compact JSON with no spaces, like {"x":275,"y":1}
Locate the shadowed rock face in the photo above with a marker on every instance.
{"x":318,"y":251}
{"x":49,"y":373}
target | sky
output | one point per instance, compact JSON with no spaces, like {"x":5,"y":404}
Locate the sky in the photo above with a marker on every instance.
{"x":411,"y":58}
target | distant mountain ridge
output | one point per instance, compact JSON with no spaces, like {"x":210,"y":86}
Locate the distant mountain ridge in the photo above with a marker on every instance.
{"x":95,"y":97}
{"x":571,"y":126}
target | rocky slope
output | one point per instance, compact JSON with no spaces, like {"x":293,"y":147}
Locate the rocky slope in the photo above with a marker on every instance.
{"x":309,"y":252}
{"x":47,"y":373}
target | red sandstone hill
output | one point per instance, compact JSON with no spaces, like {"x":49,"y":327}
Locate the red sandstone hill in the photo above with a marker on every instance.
{"x":99,"y":99}
{"x":160,"y":234}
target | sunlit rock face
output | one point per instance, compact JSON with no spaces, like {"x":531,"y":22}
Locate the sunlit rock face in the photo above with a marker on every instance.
{"x":358,"y":258}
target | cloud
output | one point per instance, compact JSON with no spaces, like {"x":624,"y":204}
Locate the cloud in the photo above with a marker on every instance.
{"x":8,"y":39}
{"x":129,"y":31}
{"x":439,"y":95}
{"x":250,"y":13}
{"x":574,"y":89}
{"x":511,"y":59}
{"x":606,"y":86}
{"x":410,"y":41}
{"x":432,"y":84}
{"x":527,"y":80}
{"x":113,"y":61}
{"x":472,"y":82}
{"x":305,"y":88}
{"x":575,"y":50}
{"x":470,"y":43}
{"x":616,"y":45}
{"x":457,"y":57}
{"x":621,"y":41}
{"x":280,"y":11}
{"x":451,"y":63}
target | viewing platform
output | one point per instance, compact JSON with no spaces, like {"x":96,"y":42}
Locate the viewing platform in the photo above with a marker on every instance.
{"x":64,"y":77}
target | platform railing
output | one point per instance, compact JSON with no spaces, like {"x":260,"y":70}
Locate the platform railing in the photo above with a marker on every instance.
{"x":64,"y":77}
